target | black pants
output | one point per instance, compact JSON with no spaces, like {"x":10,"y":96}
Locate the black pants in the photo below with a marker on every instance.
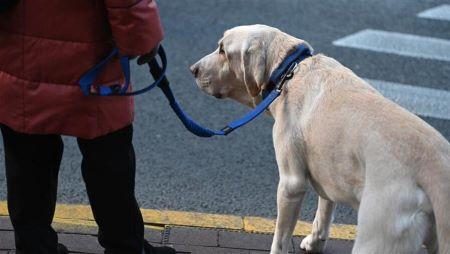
{"x":108,"y":168}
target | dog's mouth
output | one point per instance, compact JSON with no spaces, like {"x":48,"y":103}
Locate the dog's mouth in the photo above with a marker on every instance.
{"x":218,"y":96}
{"x":206,"y":86}
{"x":203,"y":83}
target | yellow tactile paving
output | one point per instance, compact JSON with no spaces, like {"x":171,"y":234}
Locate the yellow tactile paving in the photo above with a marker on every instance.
{"x":3,"y":209}
{"x":263,"y":225}
{"x":81,"y":215}
{"x":191,"y":219}
{"x":81,"y":212}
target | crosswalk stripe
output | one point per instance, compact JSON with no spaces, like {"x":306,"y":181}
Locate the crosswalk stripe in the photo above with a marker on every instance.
{"x":441,"y":12}
{"x":398,"y":43}
{"x":419,"y":100}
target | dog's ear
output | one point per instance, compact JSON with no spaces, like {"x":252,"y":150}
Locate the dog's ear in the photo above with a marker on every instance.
{"x":253,"y":67}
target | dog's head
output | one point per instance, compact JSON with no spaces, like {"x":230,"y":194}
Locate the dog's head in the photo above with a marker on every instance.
{"x":241,"y":65}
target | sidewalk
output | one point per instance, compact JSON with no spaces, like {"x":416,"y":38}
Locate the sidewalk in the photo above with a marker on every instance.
{"x":188,"y":232}
{"x":82,"y":239}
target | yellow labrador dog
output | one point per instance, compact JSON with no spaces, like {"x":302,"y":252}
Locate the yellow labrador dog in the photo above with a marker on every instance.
{"x":334,"y":130}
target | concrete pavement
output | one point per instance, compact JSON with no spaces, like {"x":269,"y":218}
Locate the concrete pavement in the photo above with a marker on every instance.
{"x":188,"y":232}
{"x":183,"y":239}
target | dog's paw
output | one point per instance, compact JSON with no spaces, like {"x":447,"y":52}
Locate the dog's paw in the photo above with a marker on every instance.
{"x":312,"y":245}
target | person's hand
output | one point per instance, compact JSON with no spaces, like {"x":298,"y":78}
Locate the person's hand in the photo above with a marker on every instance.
{"x":149,"y":56}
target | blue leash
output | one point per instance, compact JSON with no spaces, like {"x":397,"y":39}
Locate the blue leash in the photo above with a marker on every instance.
{"x":278,"y":78}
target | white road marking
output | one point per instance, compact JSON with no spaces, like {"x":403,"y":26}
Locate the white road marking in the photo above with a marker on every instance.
{"x":419,"y":100}
{"x":398,"y":43}
{"x":441,"y":12}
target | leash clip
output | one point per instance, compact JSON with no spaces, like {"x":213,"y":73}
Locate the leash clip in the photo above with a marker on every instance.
{"x":289,"y":75}
{"x":291,"y":70}
{"x":227,"y":130}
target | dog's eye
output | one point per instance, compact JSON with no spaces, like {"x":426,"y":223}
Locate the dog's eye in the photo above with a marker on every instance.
{"x":221,"y":50}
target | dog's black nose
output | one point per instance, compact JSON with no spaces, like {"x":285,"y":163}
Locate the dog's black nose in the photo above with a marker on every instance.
{"x":194,"y":69}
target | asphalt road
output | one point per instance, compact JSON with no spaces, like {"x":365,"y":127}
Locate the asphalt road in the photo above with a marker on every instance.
{"x":238,"y":174}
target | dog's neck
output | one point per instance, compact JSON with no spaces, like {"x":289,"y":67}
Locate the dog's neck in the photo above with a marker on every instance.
{"x":275,"y":58}
{"x":280,"y":48}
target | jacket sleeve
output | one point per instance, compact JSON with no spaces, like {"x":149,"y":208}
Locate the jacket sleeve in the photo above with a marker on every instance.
{"x":135,"y":25}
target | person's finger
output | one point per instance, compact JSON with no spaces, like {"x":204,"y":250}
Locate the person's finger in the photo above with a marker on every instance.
{"x":142,"y":60}
{"x":148,"y":57}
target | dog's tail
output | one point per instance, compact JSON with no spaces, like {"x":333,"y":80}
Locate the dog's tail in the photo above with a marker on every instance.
{"x":436,"y":183}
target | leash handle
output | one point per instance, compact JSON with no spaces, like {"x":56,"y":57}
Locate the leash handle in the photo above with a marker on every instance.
{"x":87,"y":80}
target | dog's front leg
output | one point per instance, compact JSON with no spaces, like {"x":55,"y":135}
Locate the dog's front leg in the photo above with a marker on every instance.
{"x":289,"y":197}
{"x":291,"y":190}
{"x":315,"y":242}
{"x":291,"y":187}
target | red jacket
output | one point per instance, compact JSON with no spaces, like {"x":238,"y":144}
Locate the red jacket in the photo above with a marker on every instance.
{"x":46,"y":46}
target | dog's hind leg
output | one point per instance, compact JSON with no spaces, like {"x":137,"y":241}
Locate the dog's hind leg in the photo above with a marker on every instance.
{"x":316,"y":241}
{"x":392,"y":218}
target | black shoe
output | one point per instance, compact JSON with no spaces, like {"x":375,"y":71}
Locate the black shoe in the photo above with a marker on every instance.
{"x":62,"y":249}
{"x":158,"y":250}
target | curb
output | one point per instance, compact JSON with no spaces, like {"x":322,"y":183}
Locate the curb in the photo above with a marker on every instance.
{"x":81,"y":215}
